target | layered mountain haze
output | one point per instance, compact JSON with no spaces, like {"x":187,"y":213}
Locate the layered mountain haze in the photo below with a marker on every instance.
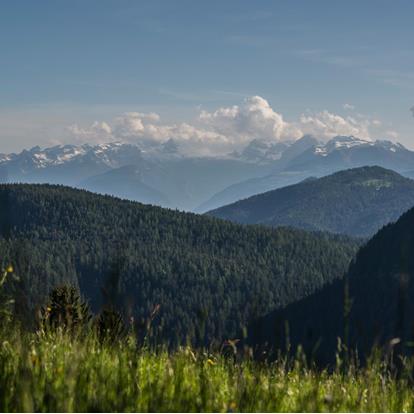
{"x":161,"y":173}
{"x":126,"y":182}
{"x":317,"y":159}
{"x":152,"y":173}
{"x":260,"y":151}
{"x":356,"y":202}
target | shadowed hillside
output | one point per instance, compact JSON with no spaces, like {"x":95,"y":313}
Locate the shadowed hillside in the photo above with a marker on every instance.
{"x":371,"y":306}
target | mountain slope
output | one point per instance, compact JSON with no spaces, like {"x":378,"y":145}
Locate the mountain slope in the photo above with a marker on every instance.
{"x":318,"y":160}
{"x":356,"y":202}
{"x":371,"y":306}
{"x":125,"y":182}
{"x":209,"y":276}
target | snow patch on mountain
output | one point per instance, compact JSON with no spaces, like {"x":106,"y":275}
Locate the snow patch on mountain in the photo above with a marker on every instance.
{"x":348,"y":142}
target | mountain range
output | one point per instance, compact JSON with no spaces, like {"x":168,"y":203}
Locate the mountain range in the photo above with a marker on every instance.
{"x":308,"y":158}
{"x":161,"y":174}
{"x":357,"y":202}
{"x":156,"y":175}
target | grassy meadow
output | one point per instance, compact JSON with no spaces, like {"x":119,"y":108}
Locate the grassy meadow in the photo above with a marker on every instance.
{"x":55,"y":372}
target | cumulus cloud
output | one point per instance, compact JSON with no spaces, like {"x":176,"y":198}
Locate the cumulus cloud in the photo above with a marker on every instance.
{"x":98,"y":132}
{"x":134,"y":124}
{"x":326,"y":125}
{"x":136,"y":127}
{"x":224,"y":129}
{"x":254,"y":119}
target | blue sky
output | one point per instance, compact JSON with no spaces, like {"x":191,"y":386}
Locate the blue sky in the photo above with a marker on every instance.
{"x":66,"y":63}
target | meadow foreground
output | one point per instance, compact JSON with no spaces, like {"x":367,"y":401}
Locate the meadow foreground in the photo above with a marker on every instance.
{"x":52,"y":372}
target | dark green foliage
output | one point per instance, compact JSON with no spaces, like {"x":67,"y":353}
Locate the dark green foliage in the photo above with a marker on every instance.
{"x":66,"y":310}
{"x":356,"y":202}
{"x":110,"y":326}
{"x":371,"y":307}
{"x":209,"y":276}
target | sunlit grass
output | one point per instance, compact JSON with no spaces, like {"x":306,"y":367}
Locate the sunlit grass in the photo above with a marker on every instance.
{"x":56,"y":373}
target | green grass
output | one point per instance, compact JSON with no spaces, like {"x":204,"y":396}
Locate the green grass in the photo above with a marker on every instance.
{"x":56,"y":373}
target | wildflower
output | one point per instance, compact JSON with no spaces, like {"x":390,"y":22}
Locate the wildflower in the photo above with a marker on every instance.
{"x":10,"y":269}
{"x":49,"y":309}
{"x":211,"y":362}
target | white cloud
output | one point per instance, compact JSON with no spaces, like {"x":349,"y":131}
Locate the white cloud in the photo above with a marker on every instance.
{"x":217,"y":132}
{"x":224,"y":129}
{"x":326,"y":125}
{"x":136,"y":127}
{"x":98,"y":132}
{"x":254,"y":119}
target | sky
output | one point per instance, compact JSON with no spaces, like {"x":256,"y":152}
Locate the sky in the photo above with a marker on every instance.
{"x":210,"y":74}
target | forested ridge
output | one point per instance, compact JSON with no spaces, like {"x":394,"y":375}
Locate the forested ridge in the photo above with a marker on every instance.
{"x":370,"y":307}
{"x":210,"y":277}
{"x":357,"y":202}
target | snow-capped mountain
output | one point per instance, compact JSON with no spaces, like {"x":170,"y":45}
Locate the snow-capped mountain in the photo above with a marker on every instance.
{"x":159,"y":173}
{"x":110,"y":154}
{"x":113,"y":155}
{"x":340,"y":142}
{"x":150,"y":172}
{"x":319,"y":159}
{"x":347,"y":142}
{"x":343,"y":152}
{"x":260,"y":151}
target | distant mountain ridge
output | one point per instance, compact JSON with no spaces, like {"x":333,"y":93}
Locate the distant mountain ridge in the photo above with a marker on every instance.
{"x":356,"y":202}
{"x":318,"y":159}
{"x":157,"y":174}
{"x":174,"y":179}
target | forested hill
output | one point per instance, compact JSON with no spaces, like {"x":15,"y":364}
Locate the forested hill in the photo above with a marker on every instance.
{"x":356,"y":202}
{"x":371,"y":306}
{"x":209,"y":276}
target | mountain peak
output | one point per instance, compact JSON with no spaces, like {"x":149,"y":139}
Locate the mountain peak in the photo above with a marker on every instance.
{"x":169,"y":147}
{"x":355,"y":202}
{"x":341,"y":142}
{"x":262,"y":151}
{"x":349,"y":142}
